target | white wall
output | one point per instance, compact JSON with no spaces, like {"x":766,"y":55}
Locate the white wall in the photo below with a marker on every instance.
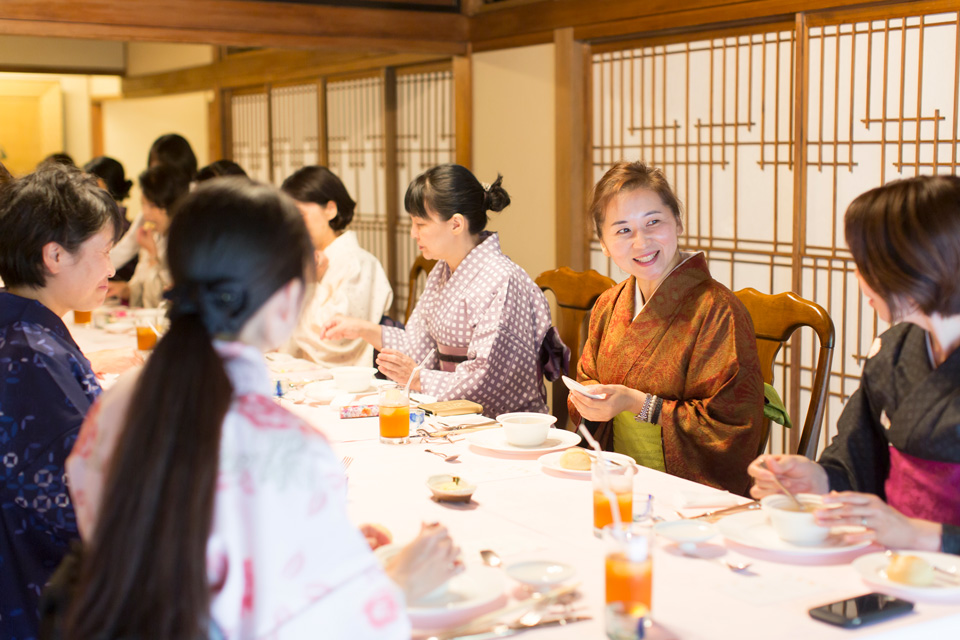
{"x":513,"y":134}
{"x":131,"y":125}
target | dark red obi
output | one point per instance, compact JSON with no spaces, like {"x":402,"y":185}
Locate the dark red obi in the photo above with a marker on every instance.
{"x":450,"y":357}
{"x":924,"y":488}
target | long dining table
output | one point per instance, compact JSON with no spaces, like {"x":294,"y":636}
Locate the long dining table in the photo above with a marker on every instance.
{"x":526,"y":512}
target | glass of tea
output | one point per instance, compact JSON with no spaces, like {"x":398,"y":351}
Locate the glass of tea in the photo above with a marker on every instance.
{"x":82,"y":317}
{"x":394,"y":403}
{"x":619,"y":479}
{"x":628,"y":573}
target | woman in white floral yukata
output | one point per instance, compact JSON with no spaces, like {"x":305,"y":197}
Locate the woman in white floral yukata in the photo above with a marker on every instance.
{"x":203,"y":504}
{"x":486,"y":321}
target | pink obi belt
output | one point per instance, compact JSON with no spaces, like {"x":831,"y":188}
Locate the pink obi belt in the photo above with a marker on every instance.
{"x":924,"y":489}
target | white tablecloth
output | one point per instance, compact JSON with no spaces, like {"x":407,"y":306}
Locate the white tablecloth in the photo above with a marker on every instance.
{"x":524,"y":513}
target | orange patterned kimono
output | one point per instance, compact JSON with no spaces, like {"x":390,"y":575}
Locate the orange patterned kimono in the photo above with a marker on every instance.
{"x":692,"y":345}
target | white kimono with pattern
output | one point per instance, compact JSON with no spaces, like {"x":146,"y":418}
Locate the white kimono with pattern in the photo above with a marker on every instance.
{"x":354,"y":285}
{"x":283,"y":560}
{"x":488,"y":320}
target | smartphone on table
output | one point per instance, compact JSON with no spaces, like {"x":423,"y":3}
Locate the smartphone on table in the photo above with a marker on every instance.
{"x":860,"y":610}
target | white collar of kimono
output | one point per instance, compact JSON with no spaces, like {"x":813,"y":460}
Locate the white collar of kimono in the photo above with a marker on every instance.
{"x":473,"y":263}
{"x":343,"y":245}
{"x":929,"y":343}
{"x":638,"y":302}
{"x":245,"y":367}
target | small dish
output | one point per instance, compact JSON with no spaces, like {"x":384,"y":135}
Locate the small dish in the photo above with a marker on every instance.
{"x":450,"y":488}
{"x":686,"y":533}
{"x":540,"y":574}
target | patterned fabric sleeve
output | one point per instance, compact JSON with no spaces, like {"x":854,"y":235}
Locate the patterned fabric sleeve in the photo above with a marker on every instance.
{"x":415,"y":340}
{"x":857,"y":458}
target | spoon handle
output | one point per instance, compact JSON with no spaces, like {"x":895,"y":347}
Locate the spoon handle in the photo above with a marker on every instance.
{"x":782,"y":488}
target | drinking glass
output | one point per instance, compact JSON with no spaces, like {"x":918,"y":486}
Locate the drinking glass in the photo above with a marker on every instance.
{"x":394,"y":404}
{"x":82,"y":317}
{"x":620,"y":480}
{"x":628,"y":572}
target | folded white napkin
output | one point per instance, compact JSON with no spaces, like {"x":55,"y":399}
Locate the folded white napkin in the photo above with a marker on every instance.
{"x":704,"y":498}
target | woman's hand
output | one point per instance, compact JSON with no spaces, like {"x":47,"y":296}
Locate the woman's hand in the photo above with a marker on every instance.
{"x":342,"y":327}
{"x":883,"y":523}
{"x":797,"y":473}
{"x":113,"y":360}
{"x":398,"y":366}
{"x":616,"y":399}
{"x":426,"y":563}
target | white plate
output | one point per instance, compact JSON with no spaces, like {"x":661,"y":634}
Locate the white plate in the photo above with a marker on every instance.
{"x":686,"y":532}
{"x":552,"y":461}
{"x":540,"y":573}
{"x":323,"y":391}
{"x":872,"y":568}
{"x":752,"y":529}
{"x":467,"y":595}
{"x":495,"y":440}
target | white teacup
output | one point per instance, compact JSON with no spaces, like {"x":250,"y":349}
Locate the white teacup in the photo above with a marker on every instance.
{"x":792,"y":525}
{"x":526,"y":429}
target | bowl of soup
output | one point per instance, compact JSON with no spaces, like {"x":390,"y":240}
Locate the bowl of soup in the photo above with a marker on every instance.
{"x":793,"y":523}
{"x":526,"y":429}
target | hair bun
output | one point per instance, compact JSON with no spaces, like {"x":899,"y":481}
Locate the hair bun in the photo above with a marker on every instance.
{"x":495,"y":196}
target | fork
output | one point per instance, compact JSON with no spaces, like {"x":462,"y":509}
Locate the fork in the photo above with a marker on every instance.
{"x":345,"y":462}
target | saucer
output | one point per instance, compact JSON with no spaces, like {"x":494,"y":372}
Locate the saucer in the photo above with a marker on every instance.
{"x":495,"y":440}
{"x":753,"y":529}
{"x":540,"y":573}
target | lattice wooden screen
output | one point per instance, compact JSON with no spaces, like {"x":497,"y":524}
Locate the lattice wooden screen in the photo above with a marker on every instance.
{"x":356,"y":154}
{"x":293,"y":129}
{"x":251,"y":134}
{"x":425,"y":138}
{"x":879,"y":98}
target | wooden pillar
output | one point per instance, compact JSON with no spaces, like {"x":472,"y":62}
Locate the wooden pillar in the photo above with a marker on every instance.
{"x":215,"y":118}
{"x":323,"y":144}
{"x":572,"y":235}
{"x":226,"y":130}
{"x":392,"y":202}
{"x":96,"y":128}
{"x":463,"y":109}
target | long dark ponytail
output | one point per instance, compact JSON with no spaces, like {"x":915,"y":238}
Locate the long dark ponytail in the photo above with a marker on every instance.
{"x":233,"y":243}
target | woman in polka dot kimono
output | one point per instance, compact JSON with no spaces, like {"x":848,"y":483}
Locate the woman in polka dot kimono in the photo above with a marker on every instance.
{"x":481,"y":318}
{"x":204,"y":505}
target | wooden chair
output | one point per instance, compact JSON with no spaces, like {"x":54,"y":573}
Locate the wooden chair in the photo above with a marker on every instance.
{"x":576,"y":293}
{"x":420,"y":265}
{"x":775,"y":318}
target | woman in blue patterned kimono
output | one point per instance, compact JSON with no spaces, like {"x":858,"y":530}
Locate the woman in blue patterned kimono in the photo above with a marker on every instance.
{"x":56,"y":230}
{"x":894,"y":467}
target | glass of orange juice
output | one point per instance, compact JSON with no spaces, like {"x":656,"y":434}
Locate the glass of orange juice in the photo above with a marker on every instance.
{"x":394,"y":403}
{"x":619,"y":480}
{"x":628,"y":573}
{"x":82,"y":317}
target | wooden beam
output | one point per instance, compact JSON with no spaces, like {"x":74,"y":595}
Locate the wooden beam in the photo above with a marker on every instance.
{"x":571,"y":150}
{"x":237,"y":22}
{"x":597,"y":19}
{"x":259,"y":67}
{"x":463,"y":109}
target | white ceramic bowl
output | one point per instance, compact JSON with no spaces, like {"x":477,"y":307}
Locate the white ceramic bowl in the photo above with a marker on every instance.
{"x":796,"y":527}
{"x":439,"y":485}
{"x":353,"y":379}
{"x":540,"y":573}
{"x":526,"y":429}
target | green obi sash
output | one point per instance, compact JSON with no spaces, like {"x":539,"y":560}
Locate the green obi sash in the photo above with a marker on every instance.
{"x":641,"y":441}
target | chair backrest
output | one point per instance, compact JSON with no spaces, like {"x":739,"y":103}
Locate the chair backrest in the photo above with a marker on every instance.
{"x":775,"y":318}
{"x":576,"y":293}
{"x":420,"y":265}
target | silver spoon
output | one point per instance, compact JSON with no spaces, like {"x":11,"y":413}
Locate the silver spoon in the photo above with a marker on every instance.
{"x":776,"y":481}
{"x":490,"y":558}
{"x":445,"y":457}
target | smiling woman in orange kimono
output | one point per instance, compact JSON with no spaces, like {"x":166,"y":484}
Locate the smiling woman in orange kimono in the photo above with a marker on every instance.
{"x":671,"y":351}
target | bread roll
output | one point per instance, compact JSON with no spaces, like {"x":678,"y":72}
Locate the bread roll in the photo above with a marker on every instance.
{"x":575,"y":459}
{"x":910,"y":570}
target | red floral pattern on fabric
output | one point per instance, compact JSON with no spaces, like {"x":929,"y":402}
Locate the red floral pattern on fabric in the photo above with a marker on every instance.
{"x":87,"y":438}
{"x":246,"y":603}
{"x":382,"y":609}
{"x":294,"y":565}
